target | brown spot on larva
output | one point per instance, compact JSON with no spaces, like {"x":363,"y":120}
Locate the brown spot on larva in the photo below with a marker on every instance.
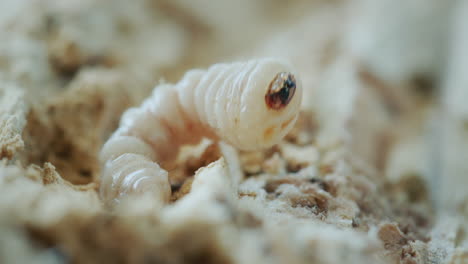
{"x":280,"y":91}
{"x":268,"y":133}
{"x":285,"y":124}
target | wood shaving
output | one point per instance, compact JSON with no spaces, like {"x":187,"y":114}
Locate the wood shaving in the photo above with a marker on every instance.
{"x":372,"y":171}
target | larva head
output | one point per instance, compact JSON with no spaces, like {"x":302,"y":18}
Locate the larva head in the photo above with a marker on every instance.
{"x":281,"y":90}
{"x":269,"y":104}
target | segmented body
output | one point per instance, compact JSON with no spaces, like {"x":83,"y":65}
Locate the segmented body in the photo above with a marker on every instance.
{"x":250,"y":105}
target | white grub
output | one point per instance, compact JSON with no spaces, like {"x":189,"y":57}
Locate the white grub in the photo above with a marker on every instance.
{"x":250,"y":105}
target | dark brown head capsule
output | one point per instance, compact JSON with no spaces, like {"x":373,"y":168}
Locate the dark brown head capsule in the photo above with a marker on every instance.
{"x":280,"y":91}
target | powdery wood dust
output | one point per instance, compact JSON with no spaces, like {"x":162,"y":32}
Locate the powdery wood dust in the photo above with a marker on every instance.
{"x":336,"y":189}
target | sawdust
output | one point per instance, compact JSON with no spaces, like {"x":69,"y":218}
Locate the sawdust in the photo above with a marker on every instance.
{"x":351,"y":183}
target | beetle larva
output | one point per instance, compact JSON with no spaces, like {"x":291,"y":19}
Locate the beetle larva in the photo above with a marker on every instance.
{"x":250,"y":105}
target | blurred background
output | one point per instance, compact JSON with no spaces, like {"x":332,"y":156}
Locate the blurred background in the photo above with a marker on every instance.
{"x":387,"y":78}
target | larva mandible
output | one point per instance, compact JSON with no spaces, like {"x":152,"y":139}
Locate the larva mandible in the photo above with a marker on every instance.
{"x":250,"y":105}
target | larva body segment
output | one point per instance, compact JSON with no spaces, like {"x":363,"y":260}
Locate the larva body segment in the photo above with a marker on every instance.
{"x":186,"y":89}
{"x":132,"y":174}
{"x":232,"y":99}
{"x":229,"y":99}
{"x":249,"y":105}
